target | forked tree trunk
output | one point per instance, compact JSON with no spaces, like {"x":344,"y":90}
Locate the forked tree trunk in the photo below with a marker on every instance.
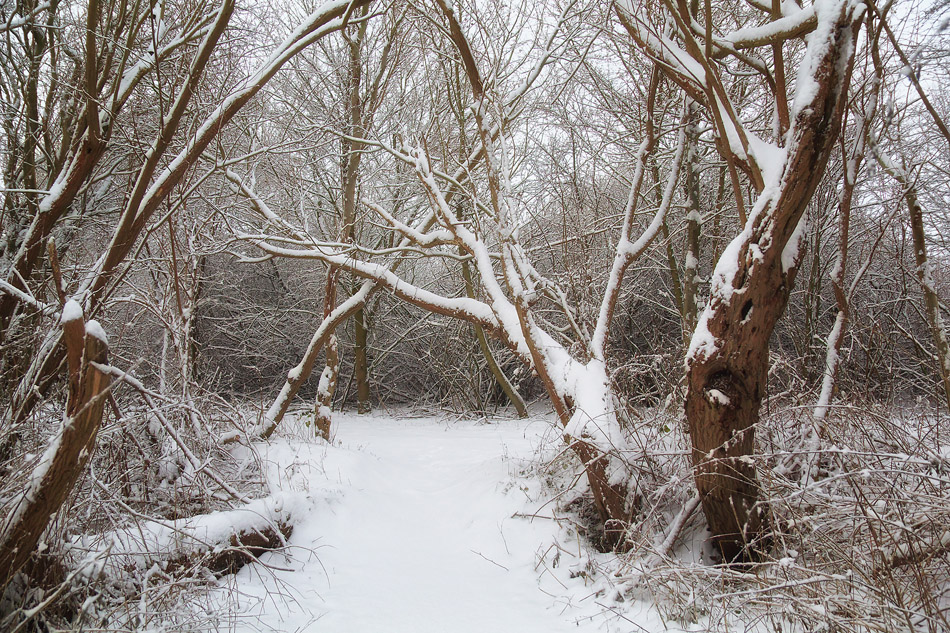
{"x":728,"y":357}
{"x":68,"y":452}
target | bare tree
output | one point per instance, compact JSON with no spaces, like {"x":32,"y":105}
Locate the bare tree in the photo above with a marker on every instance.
{"x":728,"y":356}
{"x":515,"y":296}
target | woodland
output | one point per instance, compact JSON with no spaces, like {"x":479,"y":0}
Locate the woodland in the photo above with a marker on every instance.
{"x":703,"y":239}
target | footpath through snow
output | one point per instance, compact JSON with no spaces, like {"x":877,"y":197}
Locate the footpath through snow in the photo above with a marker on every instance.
{"x":412,"y":531}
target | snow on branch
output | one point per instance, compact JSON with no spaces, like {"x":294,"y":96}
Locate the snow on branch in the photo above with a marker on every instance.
{"x":797,"y":24}
{"x":19,"y":21}
{"x":776,"y":224}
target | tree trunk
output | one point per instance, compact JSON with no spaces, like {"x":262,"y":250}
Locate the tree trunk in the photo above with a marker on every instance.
{"x":361,"y":361}
{"x":510,"y":392}
{"x":728,"y":357}
{"x":853,"y":163}
{"x":322,"y":415}
{"x":693,"y":224}
{"x":68,"y":453}
{"x":924,"y":276}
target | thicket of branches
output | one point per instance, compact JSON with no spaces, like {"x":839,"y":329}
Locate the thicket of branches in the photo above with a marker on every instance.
{"x":709,"y":235}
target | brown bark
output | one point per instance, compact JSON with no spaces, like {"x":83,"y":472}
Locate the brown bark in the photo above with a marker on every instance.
{"x":676,"y":284}
{"x":609,"y":499}
{"x":852,"y":162}
{"x":727,"y":381}
{"x":328,"y":381}
{"x":361,"y":361}
{"x":69,"y":452}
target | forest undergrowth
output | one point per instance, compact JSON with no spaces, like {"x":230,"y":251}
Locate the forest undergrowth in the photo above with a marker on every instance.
{"x":857,"y":542}
{"x":858,"y":538}
{"x":709,"y":239}
{"x":165,"y":512}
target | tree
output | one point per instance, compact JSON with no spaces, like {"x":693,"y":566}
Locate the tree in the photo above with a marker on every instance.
{"x":727,"y":361}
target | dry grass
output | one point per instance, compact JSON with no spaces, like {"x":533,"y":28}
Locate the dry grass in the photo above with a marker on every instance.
{"x":861,"y":529}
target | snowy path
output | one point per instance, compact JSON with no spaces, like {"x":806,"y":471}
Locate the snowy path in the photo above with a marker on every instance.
{"x":412,"y":531}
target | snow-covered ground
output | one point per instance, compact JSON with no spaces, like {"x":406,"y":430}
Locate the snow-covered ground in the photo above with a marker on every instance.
{"x":417,"y":525}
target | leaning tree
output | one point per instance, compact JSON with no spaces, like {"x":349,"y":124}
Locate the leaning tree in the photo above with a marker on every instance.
{"x":727,"y":360}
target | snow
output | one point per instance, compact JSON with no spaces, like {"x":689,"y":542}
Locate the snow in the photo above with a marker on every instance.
{"x":718,"y":397}
{"x":55,"y":193}
{"x":94,"y":329}
{"x":413,"y":529}
{"x":691,"y":263}
{"x":72,"y":311}
{"x":806,"y":88}
{"x":831,"y":365}
{"x":770,"y":158}
{"x":792,"y":22}
{"x":791,"y":254}
{"x":703,"y":343}
{"x":147,"y":542}
{"x":594,"y":419}
{"x":325,"y":377}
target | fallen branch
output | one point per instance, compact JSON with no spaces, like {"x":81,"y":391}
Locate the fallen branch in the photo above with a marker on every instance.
{"x":220,"y":542}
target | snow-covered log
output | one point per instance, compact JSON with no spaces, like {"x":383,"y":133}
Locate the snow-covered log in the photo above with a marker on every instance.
{"x":221,"y":542}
